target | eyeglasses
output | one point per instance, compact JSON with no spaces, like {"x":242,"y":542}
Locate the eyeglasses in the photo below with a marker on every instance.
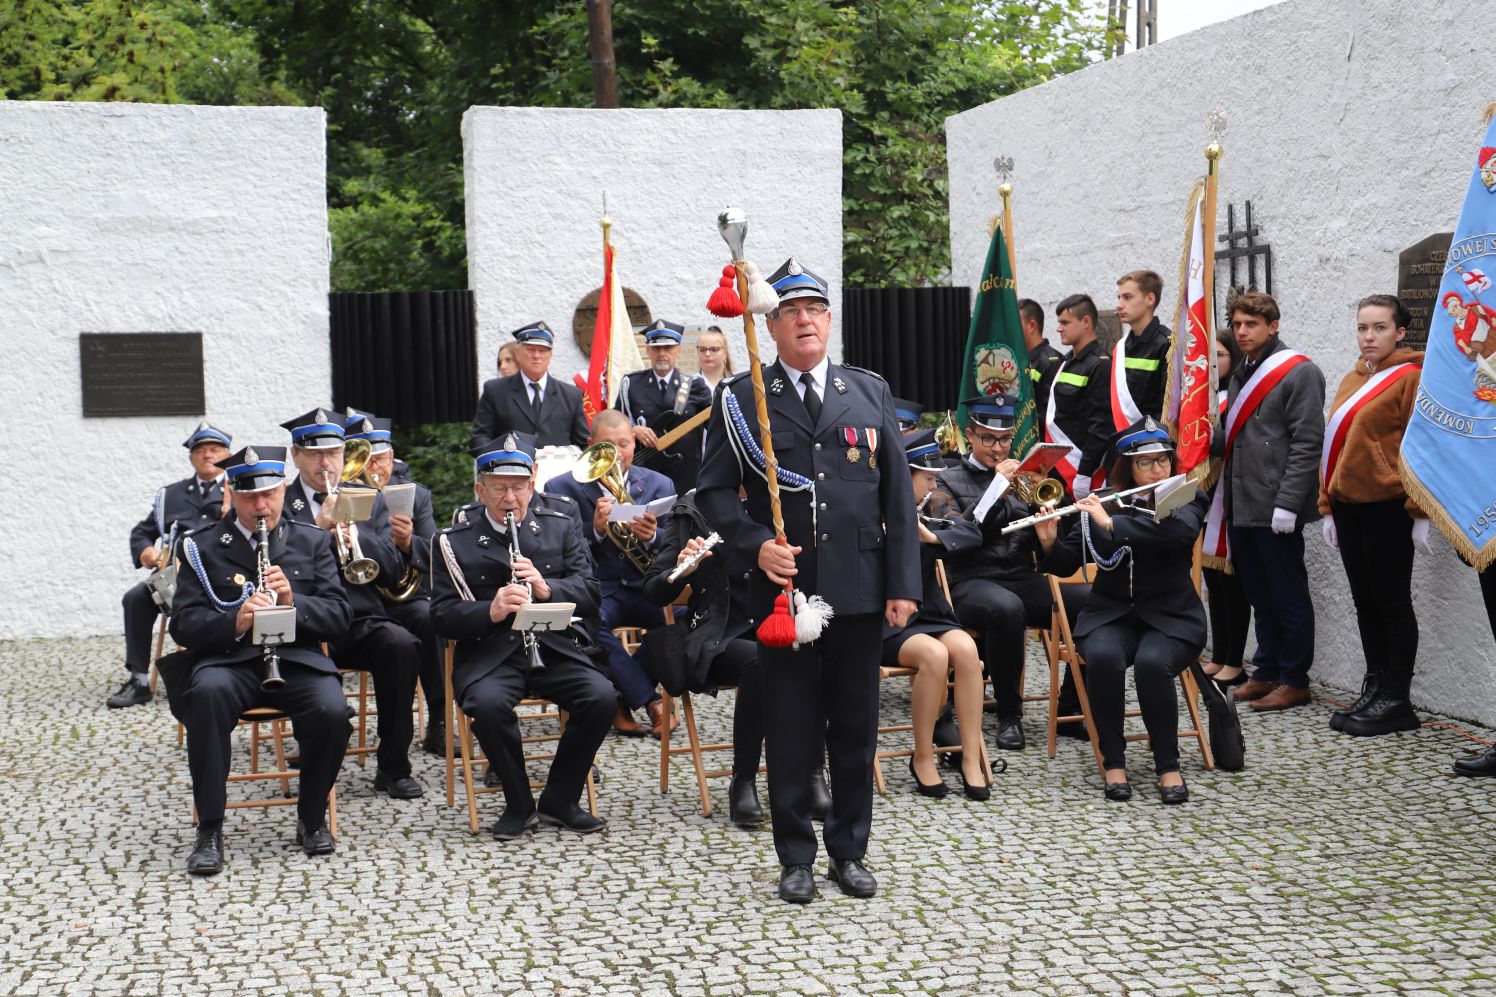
{"x":994,"y":441}
{"x":793,"y":312}
{"x":1148,"y":463}
{"x":519,"y":488}
{"x":708,"y":349}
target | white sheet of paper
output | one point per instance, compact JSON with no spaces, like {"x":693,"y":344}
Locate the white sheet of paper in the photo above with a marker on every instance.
{"x":400,"y":499}
{"x":543,"y":617}
{"x":625,"y":513}
{"x":995,"y":491}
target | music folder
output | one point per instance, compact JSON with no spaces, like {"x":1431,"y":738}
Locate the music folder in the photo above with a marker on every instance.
{"x":354,"y":505}
{"x":400,"y":499}
{"x":1171,"y":495}
{"x":544,"y":617}
{"x":273,"y":625}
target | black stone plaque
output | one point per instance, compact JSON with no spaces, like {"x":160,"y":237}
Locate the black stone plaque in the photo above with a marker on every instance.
{"x":142,"y":373}
{"x":1420,"y":268}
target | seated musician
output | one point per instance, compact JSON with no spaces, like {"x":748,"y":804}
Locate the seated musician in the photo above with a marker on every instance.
{"x":658,"y":399}
{"x":711,"y":642}
{"x":622,"y":554}
{"x":212,"y":615}
{"x":374,"y":643}
{"x":477,"y":587}
{"x":933,"y":641}
{"x":179,"y":508}
{"x":407,"y":599}
{"x":1143,"y":612}
{"x":997,"y":588}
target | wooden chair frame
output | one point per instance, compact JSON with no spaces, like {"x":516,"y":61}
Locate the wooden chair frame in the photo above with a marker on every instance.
{"x":256,"y":718}
{"x":464,"y":753}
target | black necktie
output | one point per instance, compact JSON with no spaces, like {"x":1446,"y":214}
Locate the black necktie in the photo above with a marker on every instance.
{"x":812,"y":400}
{"x":664,"y":387}
{"x":318,"y":498}
{"x":535,"y":400}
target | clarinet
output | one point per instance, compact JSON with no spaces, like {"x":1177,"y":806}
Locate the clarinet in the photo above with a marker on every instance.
{"x":532,"y":646}
{"x":271,"y":679}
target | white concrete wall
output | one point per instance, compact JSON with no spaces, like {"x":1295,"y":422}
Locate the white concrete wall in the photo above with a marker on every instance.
{"x":535,"y":183}
{"x":1352,"y":127}
{"x":136,"y":218}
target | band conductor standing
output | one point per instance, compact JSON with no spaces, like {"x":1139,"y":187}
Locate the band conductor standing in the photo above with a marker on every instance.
{"x":843,"y":475}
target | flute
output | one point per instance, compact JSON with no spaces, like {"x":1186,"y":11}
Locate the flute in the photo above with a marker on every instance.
{"x":680,"y":569}
{"x":1026,"y":521}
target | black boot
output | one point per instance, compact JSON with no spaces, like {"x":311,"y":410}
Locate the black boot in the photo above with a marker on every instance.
{"x":820,"y":796}
{"x":1388,"y":713}
{"x":1370,"y":686}
{"x":743,"y":808}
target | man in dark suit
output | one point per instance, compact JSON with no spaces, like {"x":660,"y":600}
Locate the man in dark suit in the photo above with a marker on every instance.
{"x":213,"y":615}
{"x":1043,"y":360}
{"x":620,"y":572}
{"x":848,"y":512}
{"x":646,"y":395}
{"x":374,"y":643}
{"x":179,"y":508}
{"x":477,"y":589}
{"x":532,"y":401}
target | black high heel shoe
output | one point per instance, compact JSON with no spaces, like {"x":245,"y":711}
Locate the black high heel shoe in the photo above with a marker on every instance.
{"x":980,"y":793}
{"x":936,"y":791}
{"x":1231,"y":683}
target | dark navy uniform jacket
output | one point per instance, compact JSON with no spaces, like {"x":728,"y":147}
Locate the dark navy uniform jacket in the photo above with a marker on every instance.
{"x":997,"y":558}
{"x":181,"y":502}
{"x":1147,"y":357}
{"x":639,"y":398}
{"x":1043,"y":363}
{"x":228,"y":559}
{"x":613,"y":568}
{"x":1162,"y":593}
{"x":505,"y":407}
{"x":1083,"y":403}
{"x":373,"y":540}
{"x":848,"y":558}
{"x":551,"y":539}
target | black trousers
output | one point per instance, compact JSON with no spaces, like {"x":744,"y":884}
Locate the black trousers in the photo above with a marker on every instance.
{"x":1271,"y":568}
{"x":1230,"y":615}
{"x":392,"y":657}
{"x":141,"y":612}
{"x":1488,"y":593}
{"x":415,"y":616}
{"x":1376,"y":547}
{"x":581,"y":690}
{"x":825,"y":698}
{"x":319,"y":713}
{"x":1000,"y":612}
{"x":1156,"y":660}
{"x":737,"y":664}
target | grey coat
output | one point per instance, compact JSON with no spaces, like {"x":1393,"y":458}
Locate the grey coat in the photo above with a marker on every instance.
{"x":1275,"y":460}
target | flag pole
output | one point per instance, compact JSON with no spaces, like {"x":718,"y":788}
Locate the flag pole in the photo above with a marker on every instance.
{"x":1216,"y":124}
{"x":1004,"y":167}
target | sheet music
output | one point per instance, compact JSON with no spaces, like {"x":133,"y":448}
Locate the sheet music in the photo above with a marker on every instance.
{"x":995,"y":491}
{"x":624,"y":513}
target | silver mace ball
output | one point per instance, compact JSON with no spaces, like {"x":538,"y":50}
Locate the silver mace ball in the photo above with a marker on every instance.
{"x":732,"y":223}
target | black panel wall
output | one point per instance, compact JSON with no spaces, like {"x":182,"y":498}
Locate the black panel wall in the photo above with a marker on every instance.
{"x":912,"y":336}
{"x":410,"y":356}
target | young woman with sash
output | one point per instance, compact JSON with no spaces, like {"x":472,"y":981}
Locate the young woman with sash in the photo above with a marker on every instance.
{"x":1230,"y":612}
{"x":1369,"y":517}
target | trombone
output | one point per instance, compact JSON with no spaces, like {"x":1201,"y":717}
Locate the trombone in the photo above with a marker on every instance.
{"x":599,"y":463}
{"x":357,"y":569}
{"x":1119,"y":497}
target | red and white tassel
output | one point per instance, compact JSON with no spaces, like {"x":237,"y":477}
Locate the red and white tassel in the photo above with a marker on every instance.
{"x":812,"y":615}
{"x":724,"y":302}
{"x":778,"y":630}
{"x":762,"y":298}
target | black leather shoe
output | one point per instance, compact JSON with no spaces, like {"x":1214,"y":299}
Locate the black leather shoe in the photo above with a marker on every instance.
{"x":400,"y":787}
{"x":1172,"y":795}
{"x":935,"y":791}
{"x":853,"y":878}
{"x":1388,"y":713}
{"x":1009,"y":733}
{"x":569,"y":816}
{"x":1075,"y":729}
{"x":1370,"y":686}
{"x":207,"y":853}
{"x":976,"y":791}
{"x":491,"y":778}
{"x":820,"y":796}
{"x":1119,"y":792}
{"x":318,"y":842}
{"x":513,"y":823}
{"x":796,"y":884}
{"x":743,"y":808}
{"x":435,"y":741}
{"x":1481,"y":765}
{"x":132,"y":693}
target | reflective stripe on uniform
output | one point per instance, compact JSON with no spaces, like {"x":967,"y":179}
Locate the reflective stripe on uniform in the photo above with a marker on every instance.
{"x":1142,"y":363}
{"x":1079,"y":380}
{"x":1036,"y":374}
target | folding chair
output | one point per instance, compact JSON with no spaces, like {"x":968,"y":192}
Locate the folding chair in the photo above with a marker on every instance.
{"x":256,"y":718}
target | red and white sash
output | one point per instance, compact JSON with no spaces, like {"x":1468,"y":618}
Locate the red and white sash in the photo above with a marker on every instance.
{"x":1258,"y":387}
{"x":1339,"y":426}
{"x":1125,"y":411}
{"x":1069,"y":465}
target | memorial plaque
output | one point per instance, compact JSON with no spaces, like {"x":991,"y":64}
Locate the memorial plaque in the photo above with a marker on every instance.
{"x":1420,"y":268}
{"x":142,"y":373}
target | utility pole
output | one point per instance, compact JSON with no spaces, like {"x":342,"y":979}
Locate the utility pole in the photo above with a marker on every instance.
{"x":604,"y":68}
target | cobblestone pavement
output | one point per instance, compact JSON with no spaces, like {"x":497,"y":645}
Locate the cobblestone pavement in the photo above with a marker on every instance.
{"x":1329,"y":865}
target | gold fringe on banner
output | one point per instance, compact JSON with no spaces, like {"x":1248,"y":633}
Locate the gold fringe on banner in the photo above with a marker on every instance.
{"x":1478,"y":558}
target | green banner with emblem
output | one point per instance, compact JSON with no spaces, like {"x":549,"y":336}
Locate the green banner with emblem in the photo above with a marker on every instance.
{"x":996,"y":358}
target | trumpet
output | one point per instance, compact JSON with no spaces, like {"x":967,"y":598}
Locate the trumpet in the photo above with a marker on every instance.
{"x":680,"y":569}
{"x":1119,"y":497}
{"x":357,"y":569}
{"x":1037,"y":491}
{"x":532,"y":646}
{"x":270,"y":660}
{"x":599,"y":463}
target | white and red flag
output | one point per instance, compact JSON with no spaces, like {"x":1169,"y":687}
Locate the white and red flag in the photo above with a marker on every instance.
{"x":1190,"y":408}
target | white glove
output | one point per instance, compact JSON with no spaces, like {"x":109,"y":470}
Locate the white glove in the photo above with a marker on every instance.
{"x":1333,"y":538}
{"x":1081,"y":486}
{"x":1420,"y":537}
{"x":1284,"y":521}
